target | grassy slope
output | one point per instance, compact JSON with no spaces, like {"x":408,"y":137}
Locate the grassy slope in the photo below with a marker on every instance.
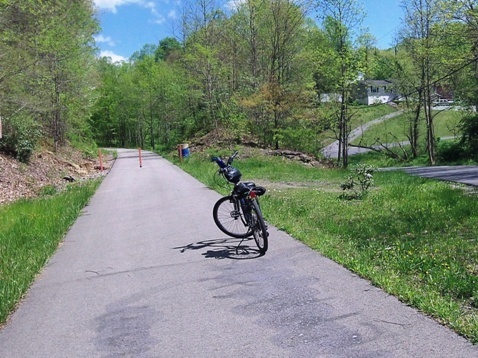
{"x":396,"y":129}
{"x":360,"y":116}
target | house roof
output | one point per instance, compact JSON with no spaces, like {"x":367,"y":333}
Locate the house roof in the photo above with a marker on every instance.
{"x":377,"y":83}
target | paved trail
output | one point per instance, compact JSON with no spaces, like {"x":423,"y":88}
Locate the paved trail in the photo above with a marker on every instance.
{"x":144,"y":272}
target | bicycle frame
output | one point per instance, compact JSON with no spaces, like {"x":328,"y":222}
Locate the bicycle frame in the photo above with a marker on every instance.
{"x":245,"y":206}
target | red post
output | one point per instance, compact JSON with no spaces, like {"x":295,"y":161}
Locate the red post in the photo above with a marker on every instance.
{"x":140,"y":160}
{"x":101,"y":159}
{"x":180,"y":149}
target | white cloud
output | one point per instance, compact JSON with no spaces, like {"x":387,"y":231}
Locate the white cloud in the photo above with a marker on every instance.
{"x":152,"y":6}
{"x":114,"y":57}
{"x":112,"y":4}
{"x":159,"y":19}
{"x":172,"y":14}
{"x":233,"y":5}
{"x":104,"y":39}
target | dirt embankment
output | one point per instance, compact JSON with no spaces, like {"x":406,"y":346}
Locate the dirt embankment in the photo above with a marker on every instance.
{"x":46,"y":169}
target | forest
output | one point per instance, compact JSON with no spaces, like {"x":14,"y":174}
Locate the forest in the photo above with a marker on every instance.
{"x":252,"y":73}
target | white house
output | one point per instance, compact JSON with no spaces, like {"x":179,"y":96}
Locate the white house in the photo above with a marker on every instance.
{"x":366,"y":92}
{"x":370,"y":92}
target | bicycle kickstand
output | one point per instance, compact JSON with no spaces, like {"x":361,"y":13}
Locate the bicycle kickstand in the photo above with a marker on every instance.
{"x":238,"y":245}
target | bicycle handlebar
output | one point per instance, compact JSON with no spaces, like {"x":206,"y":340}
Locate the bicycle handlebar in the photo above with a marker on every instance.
{"x":221,"y":163}
{"x":231,"y":158}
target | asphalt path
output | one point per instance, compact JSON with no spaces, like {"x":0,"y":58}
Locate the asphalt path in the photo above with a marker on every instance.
{"x":465,"y":174}
{"x":144,"y":272}
{"x":332,"y":150}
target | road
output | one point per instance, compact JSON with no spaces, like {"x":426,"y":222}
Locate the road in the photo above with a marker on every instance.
{"x":332,"y":150}
{"x":465,"y":174}
{"x":144,"y":272}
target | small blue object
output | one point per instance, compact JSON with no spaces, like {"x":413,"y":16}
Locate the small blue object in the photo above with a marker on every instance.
{"x":185,"y":150}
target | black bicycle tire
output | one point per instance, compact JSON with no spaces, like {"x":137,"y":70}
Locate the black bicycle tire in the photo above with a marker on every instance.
{"x":259,"y":231}
{"x":226,"y":223}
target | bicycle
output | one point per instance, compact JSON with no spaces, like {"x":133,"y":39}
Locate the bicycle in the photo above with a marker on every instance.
{"x":239,"y":214}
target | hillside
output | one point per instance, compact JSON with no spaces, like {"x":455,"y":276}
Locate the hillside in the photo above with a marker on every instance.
{"x":47,"y":171}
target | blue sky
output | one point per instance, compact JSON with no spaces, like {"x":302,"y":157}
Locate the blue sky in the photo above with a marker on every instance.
{"x":127,"y":25}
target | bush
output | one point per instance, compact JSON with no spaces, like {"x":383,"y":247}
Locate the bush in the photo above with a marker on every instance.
{"x":469,"y":140}
{"x":357,"y":184}
{"x":449,"y":152}
{"x":20,"y":136}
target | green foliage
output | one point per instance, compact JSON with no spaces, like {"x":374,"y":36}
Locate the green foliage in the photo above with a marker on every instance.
{"x":47,"y":57}
{"x":300,"y":139}
{"x":21,"y":134}
{"x":461,"y":149}
{"x":450,"y":152}
{"x":469,"y":140}
{"x":358,"y":183}
{"x":48,"y":190}
{"x":167,"y":47}
{"x":261,"y":69}
{"x":141,"y":104}
{"x":86,"y":145}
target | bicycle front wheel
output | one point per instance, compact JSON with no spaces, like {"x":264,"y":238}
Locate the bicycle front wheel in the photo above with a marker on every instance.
{"x":259,"y":228}
{"x":229,"y":218}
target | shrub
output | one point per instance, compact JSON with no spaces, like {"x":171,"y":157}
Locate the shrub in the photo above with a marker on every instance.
{"x":20,"y":137}
{"x":357,"y":184}
{"x":450,"y":152}
{"x":469,"y":140}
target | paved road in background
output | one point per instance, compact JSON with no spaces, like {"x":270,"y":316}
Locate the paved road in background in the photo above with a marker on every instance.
{"x":144,"y":272}
{"x":466,"y":174}
{"x":332,"y":150}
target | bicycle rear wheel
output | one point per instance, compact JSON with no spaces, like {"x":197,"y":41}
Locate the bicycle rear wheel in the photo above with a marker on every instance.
{"x":229,"y":218}
{"x":259,"y":228}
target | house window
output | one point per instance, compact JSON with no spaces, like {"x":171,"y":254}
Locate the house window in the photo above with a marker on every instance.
{"x":373,"y":89}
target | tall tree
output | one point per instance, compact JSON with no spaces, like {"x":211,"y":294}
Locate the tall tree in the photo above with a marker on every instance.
{"x":423,"y":31}
{"x":341,"y":22}
{"x":47,"y":51}
{"x":464,"y":14}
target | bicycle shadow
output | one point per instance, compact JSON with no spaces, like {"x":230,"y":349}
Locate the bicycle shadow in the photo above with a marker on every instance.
{"x":229,"y":248}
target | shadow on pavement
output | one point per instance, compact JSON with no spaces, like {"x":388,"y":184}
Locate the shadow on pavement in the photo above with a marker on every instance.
{"x":230,"y":248}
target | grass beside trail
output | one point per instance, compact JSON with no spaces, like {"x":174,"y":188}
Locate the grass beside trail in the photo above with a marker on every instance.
{"x":415,"y":238}
{"x":30,"y":232}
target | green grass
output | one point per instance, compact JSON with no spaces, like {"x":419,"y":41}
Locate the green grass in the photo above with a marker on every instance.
{"x":415,"y":238}
{"x":361,"y":115}
{"x":30,"y":232}
{"x":396,"y":129}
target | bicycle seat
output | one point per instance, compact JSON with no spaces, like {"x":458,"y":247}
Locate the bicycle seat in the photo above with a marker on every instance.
{"x":245,"y":187}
